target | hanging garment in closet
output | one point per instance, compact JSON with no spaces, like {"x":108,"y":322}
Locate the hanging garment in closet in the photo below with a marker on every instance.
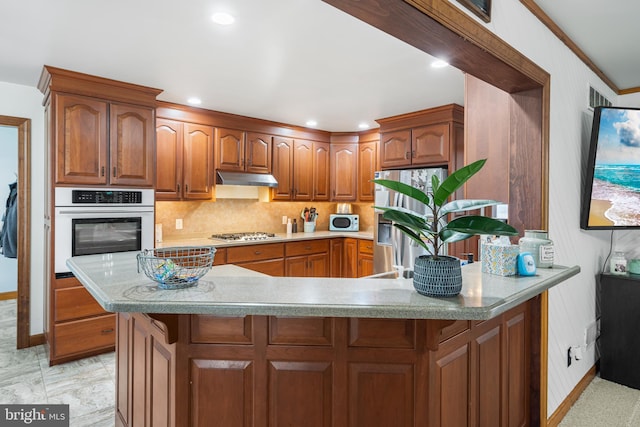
{"x":9,"y":233}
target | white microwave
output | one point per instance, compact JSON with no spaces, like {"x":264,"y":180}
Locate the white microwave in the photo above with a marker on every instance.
{"x":344,"y":222}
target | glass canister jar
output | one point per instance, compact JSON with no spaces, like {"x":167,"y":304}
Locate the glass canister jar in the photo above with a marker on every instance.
{"x":618,"y":263}
{"x":540,"y":246}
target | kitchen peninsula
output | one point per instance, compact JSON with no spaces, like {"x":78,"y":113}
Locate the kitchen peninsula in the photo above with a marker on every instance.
{"x":243,"y":348}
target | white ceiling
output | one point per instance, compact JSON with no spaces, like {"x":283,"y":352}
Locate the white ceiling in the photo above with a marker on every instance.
{"x":283,"y":60}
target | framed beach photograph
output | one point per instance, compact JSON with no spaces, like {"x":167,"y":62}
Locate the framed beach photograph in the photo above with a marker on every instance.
{"x":480,"y":8}
{"x":611,"y":197}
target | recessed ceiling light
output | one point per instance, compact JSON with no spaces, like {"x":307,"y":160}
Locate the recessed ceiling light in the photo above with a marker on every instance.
{"x":222,"y":18}
{"x":439,"y":63}
{"x":194,"y":101}
{"x":312,"y":123}
{"x":363,"y":125}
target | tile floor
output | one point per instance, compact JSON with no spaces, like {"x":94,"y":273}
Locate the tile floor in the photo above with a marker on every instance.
{"x":87,"y":386}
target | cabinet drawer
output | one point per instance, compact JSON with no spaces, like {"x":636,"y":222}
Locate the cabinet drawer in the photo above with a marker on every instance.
{"x":254,"y":252}
{"x":307,"y":247}
{"x":365,"y":247}
{"x":85,"y":335}
{"x":75,"y":303}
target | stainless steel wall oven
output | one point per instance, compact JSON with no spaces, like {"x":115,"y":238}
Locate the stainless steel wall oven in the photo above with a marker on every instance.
{"x":95,"y":221}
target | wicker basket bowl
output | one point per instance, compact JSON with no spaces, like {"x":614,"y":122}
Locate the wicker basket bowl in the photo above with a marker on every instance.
{"x":176,"y":267}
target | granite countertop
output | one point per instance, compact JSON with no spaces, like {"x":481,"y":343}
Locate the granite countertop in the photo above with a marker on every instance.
{"x":279,"y":238}
{"x":234,"y":291}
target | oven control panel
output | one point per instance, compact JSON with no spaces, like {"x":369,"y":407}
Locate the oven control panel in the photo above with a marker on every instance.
{"x":106,"y":197}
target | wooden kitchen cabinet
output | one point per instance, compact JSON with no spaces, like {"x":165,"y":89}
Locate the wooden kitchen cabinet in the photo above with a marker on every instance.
{"x":309,"y":258}
{"x":336,"y":255}
{"x":184,"y":159}
{"x":265,"y":258}
{"x":367,"y":166}
{"x":103,"y":143}
{"x":321,"y":170}
{"x":365,"y":258}
{"x":79,"y":326}
{"x":239,"y":151}
{"x":344,"y":169}
{"x":301,"y":169}
{"x":423,"y":138}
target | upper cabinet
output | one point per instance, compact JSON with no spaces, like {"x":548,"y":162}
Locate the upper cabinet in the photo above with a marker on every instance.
{"x":239,"y":151}
{"x":97,"y":142}
{"x":184,"y":160}
{"x":367,"y":166}
{"x":102,"y":131}
{"x":301,"y":168}
{"x":423,"y":138}
{"x":344,"y":166}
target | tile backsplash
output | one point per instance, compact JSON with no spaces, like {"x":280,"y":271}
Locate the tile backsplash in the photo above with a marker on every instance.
{"x":202,"y":218}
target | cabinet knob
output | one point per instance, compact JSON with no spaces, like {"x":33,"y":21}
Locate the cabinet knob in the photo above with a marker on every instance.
{"x":186,"y":188}
{"x":114,"y":171}
{"x":406,"y":154}
{"x":178,"y":185}
{"x":257,"y":252}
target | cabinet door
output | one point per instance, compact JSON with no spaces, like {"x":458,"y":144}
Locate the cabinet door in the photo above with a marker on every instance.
{"x":81,"y":140}
{"x":296,"y":266}
{"x":303,"y":170}
{"x":282,"y":168}
{"x":168,"y":159}
{"x":367,"y":165}
{"x":336,"y":257}
{"x":197,"y":173}
{"x":272,"y":267}
{"x":430,"y":145}
{"x":395,"y":149}
{"x":344,"y":166}
{"x":258,"y":153}
{"x":132,"y":140}
{"x":321,"y":171}
{"x":318,"y":265}
{"x":350,"y":258}
{"x":229,"y":149}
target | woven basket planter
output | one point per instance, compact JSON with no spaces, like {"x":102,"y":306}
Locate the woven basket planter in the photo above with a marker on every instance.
{"x":440,"y":277}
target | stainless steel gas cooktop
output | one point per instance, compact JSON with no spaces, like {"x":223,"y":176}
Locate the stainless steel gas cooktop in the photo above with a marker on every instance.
{"x":243,"y":237}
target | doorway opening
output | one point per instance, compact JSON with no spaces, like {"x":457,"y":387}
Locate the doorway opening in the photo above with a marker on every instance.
{"x":24,"y":228}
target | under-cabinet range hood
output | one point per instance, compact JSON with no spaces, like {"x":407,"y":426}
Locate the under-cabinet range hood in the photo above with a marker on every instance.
{"x":243,"y":178}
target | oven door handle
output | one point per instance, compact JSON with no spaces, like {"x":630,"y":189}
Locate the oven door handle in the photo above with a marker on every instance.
{"x":101,"y":212}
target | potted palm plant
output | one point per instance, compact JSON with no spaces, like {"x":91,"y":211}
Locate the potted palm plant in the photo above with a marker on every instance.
{"x":435,"y":274}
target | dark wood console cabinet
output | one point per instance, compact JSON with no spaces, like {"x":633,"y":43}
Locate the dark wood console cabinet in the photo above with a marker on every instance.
{"x":619,"y":338}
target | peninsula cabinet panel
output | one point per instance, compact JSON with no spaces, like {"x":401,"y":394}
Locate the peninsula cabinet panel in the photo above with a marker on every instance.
{"x":81,"y":140}
{"x":222,"y":393}
{"x":282,"y":168}
{"x":344,"y":169}
{"x":198,"y":171}
{"x":486,"y":386}
{"x":220,"y":329}
{"x":381,"y":385}
{"x":449,"y":386}
{"x":132,"y":142}
{"x":300,"y":394}
{"x":516,"y":330}
{"x":301,"y":331}
{"x":382,"y":333}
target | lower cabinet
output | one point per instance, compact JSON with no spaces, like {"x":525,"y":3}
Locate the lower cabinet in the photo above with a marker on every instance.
{"x":308,"y":258}
{"x":267,"y":258}
{"x":78,"y":326}
{"x":203,"y":370}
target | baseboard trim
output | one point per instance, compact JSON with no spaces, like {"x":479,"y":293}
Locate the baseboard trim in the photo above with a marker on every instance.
{"x":8,"y":295}
{"x":568,"y":402}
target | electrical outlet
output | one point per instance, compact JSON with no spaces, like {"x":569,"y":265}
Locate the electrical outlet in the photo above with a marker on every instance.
{"x":569,"y":357}
{"x":179,"y":224}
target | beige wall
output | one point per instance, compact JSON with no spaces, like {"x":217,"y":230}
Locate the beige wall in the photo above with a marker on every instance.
{"x":200,"y":219}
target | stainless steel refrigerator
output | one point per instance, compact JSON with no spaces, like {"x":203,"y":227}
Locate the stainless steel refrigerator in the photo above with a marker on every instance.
{"x":392,"y":250}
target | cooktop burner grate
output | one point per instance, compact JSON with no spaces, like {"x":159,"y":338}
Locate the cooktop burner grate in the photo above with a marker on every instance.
{"x":245,"y":236}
